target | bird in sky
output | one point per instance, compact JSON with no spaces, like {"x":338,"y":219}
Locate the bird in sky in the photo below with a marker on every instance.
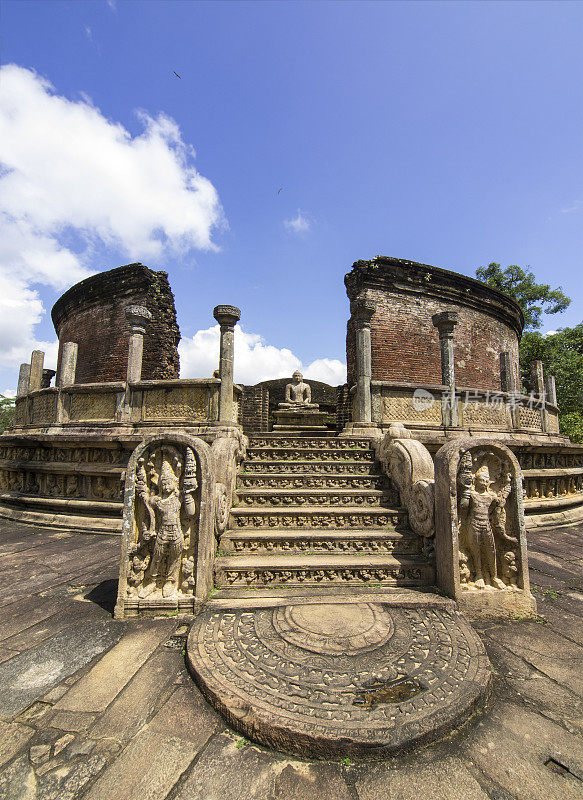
{"x":279,"y":190}
{"x":177,"y":75}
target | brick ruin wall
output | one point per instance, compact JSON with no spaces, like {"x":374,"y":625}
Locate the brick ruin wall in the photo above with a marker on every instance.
{"x":405,"y":344}
{"x":92,"y":314}
{"x":254,"y":409}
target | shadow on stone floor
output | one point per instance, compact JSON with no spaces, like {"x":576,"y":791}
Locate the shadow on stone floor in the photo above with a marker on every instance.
{"x":104,"y":595}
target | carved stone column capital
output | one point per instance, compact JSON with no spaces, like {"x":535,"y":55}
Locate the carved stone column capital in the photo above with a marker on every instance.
{"x":227,"y":316}
{"x":362,"y":310}
{"x":445,"y":322}
{"x":138,"y":318}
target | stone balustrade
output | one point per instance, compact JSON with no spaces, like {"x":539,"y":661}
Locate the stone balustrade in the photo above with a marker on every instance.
{"x":152,"y":402}
{"x":426,"y":407}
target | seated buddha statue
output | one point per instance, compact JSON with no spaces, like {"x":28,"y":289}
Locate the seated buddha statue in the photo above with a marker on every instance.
{"x":298,"y":394}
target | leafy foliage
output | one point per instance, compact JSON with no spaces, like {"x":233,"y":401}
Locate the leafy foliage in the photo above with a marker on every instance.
{"x":7,"y":405}
{"x":562,"y":356}
{"x":534,"y":298}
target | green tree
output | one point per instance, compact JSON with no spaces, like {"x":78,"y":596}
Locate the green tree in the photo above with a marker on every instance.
{"x":534,"y":298}
{"x":560,"y":352}
{"x":562,"y":356}
{"x":6,"y":412}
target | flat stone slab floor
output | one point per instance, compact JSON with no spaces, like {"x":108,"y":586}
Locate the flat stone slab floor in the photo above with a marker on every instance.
{"x":93,"y":708}
{"x":336,"y":679}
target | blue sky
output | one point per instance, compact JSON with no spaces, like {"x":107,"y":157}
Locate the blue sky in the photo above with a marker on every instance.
{"x":448,"y":133}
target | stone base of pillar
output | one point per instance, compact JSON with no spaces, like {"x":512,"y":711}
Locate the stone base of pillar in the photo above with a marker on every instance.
{"x":361,"y":430}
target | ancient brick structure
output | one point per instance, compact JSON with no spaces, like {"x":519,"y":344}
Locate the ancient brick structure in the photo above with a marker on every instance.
{"x":254,"y":409}
{"x":405,"y":343}
{"x":92,"y":314}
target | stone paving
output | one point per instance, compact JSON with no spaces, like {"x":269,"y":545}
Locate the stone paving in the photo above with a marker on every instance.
{"x":91,"y":707}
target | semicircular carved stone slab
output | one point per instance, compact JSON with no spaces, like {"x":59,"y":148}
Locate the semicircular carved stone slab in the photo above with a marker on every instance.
{"x":328,"y":680}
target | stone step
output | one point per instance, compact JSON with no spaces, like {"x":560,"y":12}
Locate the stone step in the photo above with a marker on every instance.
{"x":320,"y":569}
{"x":311,"y":442}
{"x":315,"y":467}
{"x":316,"y":517}
{"x":289,"y":480}
{"x":309,"y":541}
{"x":258,"y":498}
{"x":269,"y":454}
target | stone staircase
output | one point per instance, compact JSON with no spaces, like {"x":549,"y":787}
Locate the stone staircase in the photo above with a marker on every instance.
{"x":316,"y":512}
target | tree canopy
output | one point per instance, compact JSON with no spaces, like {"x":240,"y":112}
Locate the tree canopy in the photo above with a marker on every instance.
{"x":562,"y":356}
{"x":534,"y":298}
{"x":6,"y":412}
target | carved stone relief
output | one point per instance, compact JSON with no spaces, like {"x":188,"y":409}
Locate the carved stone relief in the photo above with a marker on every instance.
{"x":166,"y":550}
{"x":480,"y":535}
{"x":486,"y":539}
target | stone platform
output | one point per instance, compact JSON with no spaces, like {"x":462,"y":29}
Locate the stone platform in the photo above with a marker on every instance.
{"x":330,"y":678}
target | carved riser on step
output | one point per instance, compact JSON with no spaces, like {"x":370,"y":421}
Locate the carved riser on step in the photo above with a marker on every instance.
{"x":312,"y":468}
{"x":314,"y":500}
{"x":310,"y":442}
{"x":293,"y":519}
{"x":307,"y":482}
{"x":297,"y":454}
{"x":393,"y":576}
{"x":405,"y":546}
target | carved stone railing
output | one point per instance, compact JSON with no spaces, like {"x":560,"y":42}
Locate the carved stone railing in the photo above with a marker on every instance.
{"x":425,"y":407}
{"x":409,"y":465}
{"x":148,"y":403}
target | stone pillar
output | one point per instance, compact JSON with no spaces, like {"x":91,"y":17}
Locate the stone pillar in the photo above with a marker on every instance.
{"x":68,"y":365}
{"x":445,"y":322}
{"x":227,"y":317}
{"x":507,"y":374}
{"x":362,"y":311}
{"x":551,"y":389}
{"x":138,"y":318}
{"x":23,"y":380}
{"x":36,"y":370}
{"x":537,"y":379}
{"x":48,"y":375}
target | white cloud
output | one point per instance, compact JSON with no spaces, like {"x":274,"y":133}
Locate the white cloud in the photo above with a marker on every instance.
{"x":88,"y":33}
{"x":72,"y":181}
{"x":300,"y":224}
{"x":112,"y":4}
{"x":576,"y":205}
{"x":255,"y":360}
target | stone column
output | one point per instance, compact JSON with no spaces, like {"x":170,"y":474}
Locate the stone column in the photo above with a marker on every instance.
{"x":537,"y":379}
{"x":23,"y":380}
{"x":551,"y":389}
{"x":227,"y":317}
{"x":362,"y":311}
{"x":507,"y":374}
{"x":138,"y":318}
{"x":36,"y":370}
{"x":445,"y":322}
{"x":68,"y":365}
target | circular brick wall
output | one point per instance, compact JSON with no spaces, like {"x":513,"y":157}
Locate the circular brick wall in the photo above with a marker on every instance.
{"x":405,"y":344}
{"x":91,"y":313}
